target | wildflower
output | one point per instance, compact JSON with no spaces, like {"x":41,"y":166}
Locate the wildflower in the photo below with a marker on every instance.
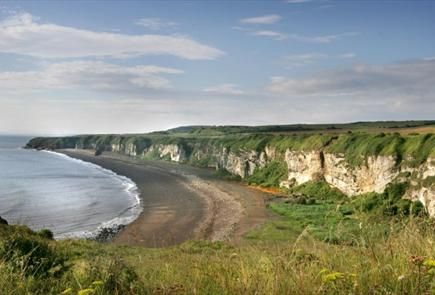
{"x":417,"y":260}
{"x":401,"y":277}
{"x":332,"y":277}
{"x":429,"y":263}
{"x":233,"y":256}
{"x":97,"y":283}
{"x":88,"y":291}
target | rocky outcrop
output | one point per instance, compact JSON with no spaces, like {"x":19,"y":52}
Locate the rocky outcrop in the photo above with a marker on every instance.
{"x":3,"y":221}
{"x":373,"y":176}
{"x":426,"y":195}
{"x":174,"y":152}
{"x":242,"y":164}
{"x":302,"y":167}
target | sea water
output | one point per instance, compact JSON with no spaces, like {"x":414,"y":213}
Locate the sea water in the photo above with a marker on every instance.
{"x":70,"y":197}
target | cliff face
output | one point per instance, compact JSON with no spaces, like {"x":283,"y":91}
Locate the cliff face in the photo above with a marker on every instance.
{"x":372,"y":176}
{"x":371,"y":173}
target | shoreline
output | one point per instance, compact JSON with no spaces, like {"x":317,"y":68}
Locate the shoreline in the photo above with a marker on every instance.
{"x":108,"y":229}
{"x":180,"y":202}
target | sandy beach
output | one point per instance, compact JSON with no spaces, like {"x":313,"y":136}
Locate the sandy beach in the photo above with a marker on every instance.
{"x":181,"y":202}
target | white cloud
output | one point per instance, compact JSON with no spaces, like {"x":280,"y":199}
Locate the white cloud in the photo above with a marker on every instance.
{"x":298,"y":60}
{"x":87,"y":75}
{"x":227,"y":88}
{"x":348,"y":55}
{"x":322,"y":38}
{"x":271,"y":34}
{"x":25,"y":35}
{"x":261,"y":20}
{"x":155,"y":23}
{"x":297,"y":1}
{"x":410,"y":81}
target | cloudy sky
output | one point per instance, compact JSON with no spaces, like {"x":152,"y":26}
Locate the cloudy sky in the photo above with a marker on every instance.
{"x":119,"y":67}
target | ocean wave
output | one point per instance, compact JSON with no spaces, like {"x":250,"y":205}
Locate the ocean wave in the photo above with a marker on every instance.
{"x":129,"y":186}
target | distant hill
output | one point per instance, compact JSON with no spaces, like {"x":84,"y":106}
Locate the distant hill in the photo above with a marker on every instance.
{"x":291,"y":128}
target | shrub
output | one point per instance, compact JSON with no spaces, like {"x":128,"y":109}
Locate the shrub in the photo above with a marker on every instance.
{"x":270,"y":175}
{"x":46,"y":234}
{"x":111,"y":276}
{"x":318,"y":190}
{"x":30,"y":256}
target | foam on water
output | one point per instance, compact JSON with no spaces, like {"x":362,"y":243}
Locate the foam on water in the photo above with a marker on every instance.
{"x":129,"y":187}
{"x":72,"y":197}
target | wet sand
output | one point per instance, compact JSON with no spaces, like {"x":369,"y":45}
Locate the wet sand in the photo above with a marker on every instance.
{"x":181,"y":202}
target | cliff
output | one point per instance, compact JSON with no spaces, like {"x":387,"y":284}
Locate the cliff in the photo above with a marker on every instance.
{"x":355,"y":163}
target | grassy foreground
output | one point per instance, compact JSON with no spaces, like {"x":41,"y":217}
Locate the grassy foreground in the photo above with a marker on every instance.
{"x":400,"y":263}
{"x":321,"y":243}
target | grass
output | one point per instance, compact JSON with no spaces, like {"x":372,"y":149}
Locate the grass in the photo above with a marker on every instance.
{"x":269,"y":176}
{"x":323,"y":220}
{"x":321,"y":242}
{"x":397,"y":263}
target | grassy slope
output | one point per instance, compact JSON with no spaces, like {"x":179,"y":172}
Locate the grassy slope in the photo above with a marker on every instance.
{"x":322,"y":242}
{"x":401,"y":262}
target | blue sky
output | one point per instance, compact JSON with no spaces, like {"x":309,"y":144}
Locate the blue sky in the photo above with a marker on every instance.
{"x":83,"y":66}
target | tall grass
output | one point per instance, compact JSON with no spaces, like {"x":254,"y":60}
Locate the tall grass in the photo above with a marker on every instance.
{"x":399,"y":263}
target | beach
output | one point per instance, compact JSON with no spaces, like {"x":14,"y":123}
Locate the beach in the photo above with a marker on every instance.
{"x":181,"y":202}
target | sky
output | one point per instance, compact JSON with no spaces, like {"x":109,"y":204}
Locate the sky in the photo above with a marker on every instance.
{"x":78,"y":67}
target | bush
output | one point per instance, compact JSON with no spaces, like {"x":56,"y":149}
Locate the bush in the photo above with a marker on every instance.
{"x":390,"y":202}
{"x":270,"y":175}
{"x":46,"y":234}
{"x":109,"y":275}
{"x":30,"y":256}
{"x":318,"y":190}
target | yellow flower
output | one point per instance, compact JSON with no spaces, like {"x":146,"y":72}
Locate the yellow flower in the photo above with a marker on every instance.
{"x":88,"y":291}
{"x":332,"y":277}
{"x":430,"y":263}
{"x":98,"y":283}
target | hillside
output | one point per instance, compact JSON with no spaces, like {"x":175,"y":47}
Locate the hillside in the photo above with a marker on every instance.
{"x":350,"y":214}
{"x":355,"y":162}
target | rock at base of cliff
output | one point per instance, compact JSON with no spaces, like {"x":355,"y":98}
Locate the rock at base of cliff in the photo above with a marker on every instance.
{"x":3,"y":221}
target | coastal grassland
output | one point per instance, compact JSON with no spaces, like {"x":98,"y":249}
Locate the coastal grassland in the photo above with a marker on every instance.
{"x":320,"y":242}
{"x":395,"y":263}
{"x":270,"y":175}
{"x":412,"y":149}
{"x":330,"y":216}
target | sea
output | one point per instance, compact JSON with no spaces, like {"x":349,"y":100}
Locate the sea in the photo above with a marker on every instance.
{"x":72,"y":198}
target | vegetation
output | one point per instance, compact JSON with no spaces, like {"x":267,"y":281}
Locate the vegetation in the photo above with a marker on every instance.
{"x":357,"y":141}
{"x":400,"y":261}
{"x":328,"y":215}
{"x":269,"y":176}
{"x":322,"y":242}
{"x":319,"y":241}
